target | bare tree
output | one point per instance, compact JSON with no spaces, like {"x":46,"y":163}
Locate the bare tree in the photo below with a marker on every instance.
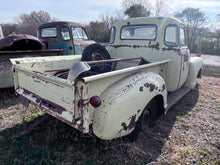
{"x":96,"y":31}
{"x":161,"y":9}
{"x":100,"y":31}
{"x":9,"y":28}
{"x":108,"y":21}
{"x":194,"y":20}
{"x":28,"y":23}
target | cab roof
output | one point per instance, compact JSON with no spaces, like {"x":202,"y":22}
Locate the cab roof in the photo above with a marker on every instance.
{"x":148,"y":20}
{"x":60,"y":23}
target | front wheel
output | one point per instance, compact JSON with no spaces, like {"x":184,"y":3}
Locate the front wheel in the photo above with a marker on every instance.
{"x":146,"y":120}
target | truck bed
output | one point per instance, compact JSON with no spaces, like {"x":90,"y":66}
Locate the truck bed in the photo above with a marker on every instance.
{"x":68,"y":100}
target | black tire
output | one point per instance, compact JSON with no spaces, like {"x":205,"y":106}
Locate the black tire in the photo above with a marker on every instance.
{"x":146,"y":120}
{"x":96,"y":52}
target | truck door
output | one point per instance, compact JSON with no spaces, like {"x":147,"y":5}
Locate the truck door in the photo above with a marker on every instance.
{"x":67,"y":43}
{"x":80,"y":39}
{"x":184,"y":53}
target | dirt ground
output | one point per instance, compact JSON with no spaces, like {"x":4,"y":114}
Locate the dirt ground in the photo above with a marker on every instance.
{"x":188,"y":134}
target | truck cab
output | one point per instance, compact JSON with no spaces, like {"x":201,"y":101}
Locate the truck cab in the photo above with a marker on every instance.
{"x":155,"y":39}
{"x":69,"y":36}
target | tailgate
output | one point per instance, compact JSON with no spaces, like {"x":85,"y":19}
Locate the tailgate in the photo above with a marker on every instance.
{"x":53,"y":94}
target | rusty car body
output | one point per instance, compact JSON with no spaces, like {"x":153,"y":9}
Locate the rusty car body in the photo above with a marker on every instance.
{"x":17,"y":46}
{"x":151,"y":69}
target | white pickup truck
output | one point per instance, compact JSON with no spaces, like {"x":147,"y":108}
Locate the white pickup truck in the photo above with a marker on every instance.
{"x":113,"y":92}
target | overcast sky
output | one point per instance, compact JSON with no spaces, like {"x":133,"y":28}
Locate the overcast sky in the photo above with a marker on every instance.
{"x":84,"y":11}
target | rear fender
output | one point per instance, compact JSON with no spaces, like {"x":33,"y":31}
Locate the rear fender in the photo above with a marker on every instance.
{"x":195,"y":70}
{"x":123,"y":103}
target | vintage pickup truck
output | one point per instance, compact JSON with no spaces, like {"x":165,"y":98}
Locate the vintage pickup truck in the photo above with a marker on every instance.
{"x":146,"y":69}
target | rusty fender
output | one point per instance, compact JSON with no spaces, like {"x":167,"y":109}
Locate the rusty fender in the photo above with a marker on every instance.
{"x":124,"y":101}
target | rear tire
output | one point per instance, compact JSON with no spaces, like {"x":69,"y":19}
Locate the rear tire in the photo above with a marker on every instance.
{"x":96,"y":52}
{"x":146,"y":120}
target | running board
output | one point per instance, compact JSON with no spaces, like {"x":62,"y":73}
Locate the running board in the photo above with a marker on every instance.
{"x":174,"y":97}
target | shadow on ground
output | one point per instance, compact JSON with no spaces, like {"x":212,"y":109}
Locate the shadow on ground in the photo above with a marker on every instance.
{"x":8,"y":98}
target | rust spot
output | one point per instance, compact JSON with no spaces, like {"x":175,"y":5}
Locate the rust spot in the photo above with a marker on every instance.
{"x":17,"y":62}
{"x":150,"y":86}
{"x":171,"y":49}
{"x":156,"y":46}
{"x":82,"y":103}
{"x":32,"y":65}
{"x":128,"y":46}
{"x":52,"y":106}
{"x":130,"y":125}
{"x":45,"y":103}
{"x":141,"y":89}
{"x":163,"y":87}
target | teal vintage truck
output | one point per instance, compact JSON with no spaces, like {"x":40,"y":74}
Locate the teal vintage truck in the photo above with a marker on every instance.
{"x":71,"y":37}
{"x":114,"y":92}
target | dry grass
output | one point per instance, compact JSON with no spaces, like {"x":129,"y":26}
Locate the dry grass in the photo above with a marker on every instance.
{"x":188,"y":134}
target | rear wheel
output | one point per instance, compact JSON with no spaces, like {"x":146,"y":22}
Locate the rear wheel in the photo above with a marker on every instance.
{"x":146,"y":120}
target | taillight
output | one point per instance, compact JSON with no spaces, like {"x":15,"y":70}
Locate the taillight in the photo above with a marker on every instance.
{"x":95,"y":101}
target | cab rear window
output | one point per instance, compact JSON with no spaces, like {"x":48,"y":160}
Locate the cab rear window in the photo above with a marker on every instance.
{"x":49,"y":32}
{"x":140,"y":32}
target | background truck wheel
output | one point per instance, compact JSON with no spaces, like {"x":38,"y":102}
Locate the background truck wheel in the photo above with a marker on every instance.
{"x":96,"y":52}
{"x":146,"y":120}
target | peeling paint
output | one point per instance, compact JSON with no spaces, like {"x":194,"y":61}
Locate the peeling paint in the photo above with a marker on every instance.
{"x":131,"y":124}
{"x":163,"y":87}
{"x":141,"y":89}
{"x":45,"y":103}
{"x":150,"y":86}
{"x":82,"y":103}
{"x":152,"y":46}
{"x":170,"y":49}
{"x":156,"y":46}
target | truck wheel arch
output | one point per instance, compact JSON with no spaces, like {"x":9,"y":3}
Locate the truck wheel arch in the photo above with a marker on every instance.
{"x":112,"y":121}
{"x":148,"y":117}
{"x":195,"y":71}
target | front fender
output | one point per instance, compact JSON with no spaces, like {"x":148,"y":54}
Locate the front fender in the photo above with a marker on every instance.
{"x":196,"y":65}
{"x":123,"y":103}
